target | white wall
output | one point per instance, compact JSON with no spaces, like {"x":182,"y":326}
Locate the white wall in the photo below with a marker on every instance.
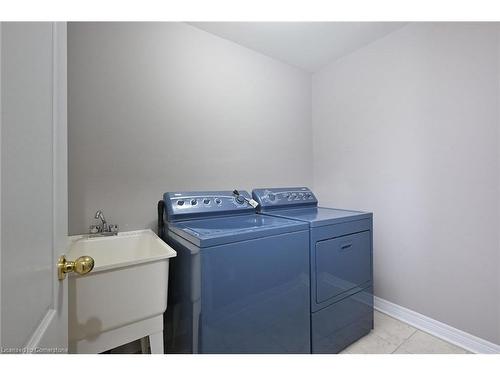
{"x":408,"y":127}
{"x":155,"y":107}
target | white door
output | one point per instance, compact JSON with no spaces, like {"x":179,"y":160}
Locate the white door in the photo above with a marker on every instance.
{"x":33,"y":187}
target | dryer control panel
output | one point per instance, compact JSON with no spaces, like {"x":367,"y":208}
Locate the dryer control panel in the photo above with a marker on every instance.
{"x":185,"y":205}
{"x":271,"y":198}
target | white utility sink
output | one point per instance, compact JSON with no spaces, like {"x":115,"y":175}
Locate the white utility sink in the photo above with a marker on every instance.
{"x":124,"y":297}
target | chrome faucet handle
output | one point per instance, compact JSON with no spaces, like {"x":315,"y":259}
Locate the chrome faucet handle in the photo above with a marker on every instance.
{"x":93,"y":229}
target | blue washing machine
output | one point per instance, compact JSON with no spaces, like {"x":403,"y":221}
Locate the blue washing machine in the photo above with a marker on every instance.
{"x":240,"y":281}
{"x":341,"y":264}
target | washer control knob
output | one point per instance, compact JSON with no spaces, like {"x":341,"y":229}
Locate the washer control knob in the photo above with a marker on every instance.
{"x":194,"y":202}
{"x":180,"y":203}
{"x":206,"y":201}
{"x":218,"y":200}
{"x":271,"y":196}
{"x":240,"y":199}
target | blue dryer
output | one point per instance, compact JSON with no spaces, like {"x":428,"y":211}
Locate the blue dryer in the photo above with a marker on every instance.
{"x":240,"y":281}
{"x":341,"y":265}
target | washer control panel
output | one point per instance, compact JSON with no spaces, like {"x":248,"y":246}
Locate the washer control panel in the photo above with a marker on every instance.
{"x":195,"y":204}
{"x":270,"y":198}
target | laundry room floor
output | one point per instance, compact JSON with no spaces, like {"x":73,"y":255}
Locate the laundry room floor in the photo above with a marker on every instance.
{"x":392,"y":336}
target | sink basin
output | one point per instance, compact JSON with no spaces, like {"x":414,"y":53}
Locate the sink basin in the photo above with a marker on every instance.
{"x":124,"y":297}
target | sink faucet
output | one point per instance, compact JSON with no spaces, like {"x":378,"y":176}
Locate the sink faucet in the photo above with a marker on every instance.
{"x":104,"y":224}
{"x":104,"y":229}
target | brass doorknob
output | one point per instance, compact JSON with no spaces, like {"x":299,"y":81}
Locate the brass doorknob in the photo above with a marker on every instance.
{"x":81,"y":266}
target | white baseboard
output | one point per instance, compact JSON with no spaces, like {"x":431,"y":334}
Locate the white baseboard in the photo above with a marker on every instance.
{"x":453,"y":335}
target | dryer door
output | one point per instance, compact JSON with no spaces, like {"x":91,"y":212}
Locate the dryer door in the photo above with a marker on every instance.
{"x":343,"y":265}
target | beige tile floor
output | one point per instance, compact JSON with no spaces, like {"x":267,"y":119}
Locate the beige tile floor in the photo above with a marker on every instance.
{"x":393,"y":336}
